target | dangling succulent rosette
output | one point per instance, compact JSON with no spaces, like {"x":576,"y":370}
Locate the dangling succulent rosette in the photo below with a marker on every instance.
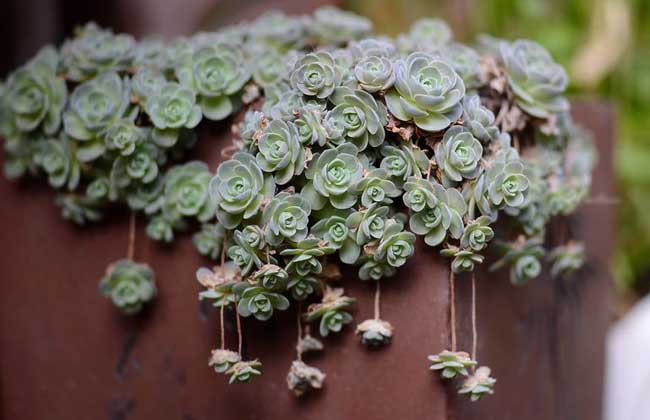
{"x":330,"y":311}
{"x":244,"y":371}
{"x":464,"y":259}
{"x":280,"y":151}
{"x":523,"y":256}
{"x":129,"y":285}
{"x":441,"y":215}
{"x":566,"y":259}
{"x":458,"y":156}
{"x":427,"y":91}
{"x":223,"y":360}
{"x":218,"y":283}
{"x":375,"y":332}
{"x":302,"y":378}
{"x":451,"y":363}
{"x":478,"y":384}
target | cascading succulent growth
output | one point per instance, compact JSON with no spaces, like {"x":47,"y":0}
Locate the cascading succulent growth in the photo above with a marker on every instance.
{"x":350,"y":146}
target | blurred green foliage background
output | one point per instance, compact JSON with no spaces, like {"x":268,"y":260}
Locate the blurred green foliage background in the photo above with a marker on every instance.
{"x":605,"y":46}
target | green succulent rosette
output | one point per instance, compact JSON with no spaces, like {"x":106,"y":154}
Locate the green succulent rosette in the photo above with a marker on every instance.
{"x":316,"y":74}
{"x":187,"y":192}
{"x":271,"y":277}
{"x":336,"y":232}
{"x":79,"y":209}
{"x":59,"y":162}
{"x":375,"y":270}
{"x":375,"y":332}
{"x":566,"y":259}
{"x":129,"y":285}
{"x":93,"y":108}
{"x":375,"y":73}
{"x":305,"y":257}
{"x":419,"y":193}
{"x":244,"y":371}
{"x":146,"y":83}
{"x":451,"y":363}
{"x":332,"y":176}
{"x":443,"y":218}
{"x":403,"y":162}
{"x":286,"y":218}
{"x":216,"y":73}
{"x":123,"y":136}
{"x":466,"y":62}
{"x":219,"y":283}
{"x":458,"y":156}
{"x":376,"y":188}
{"x":243,"y":254}
{"x":280,"y":151}
{"x":238,"y":188}
{"x":222,"y":360}
{"x":427,"y":91}
{"x":302,"y":287}
{"x":479,"y":384}
{"x":258,"y":301}
{"x":464,"y":259}
{"x":331,"y":25}
{"x":330,"y":312}
{"x":151,"y":53}
{"x":360,"y":115}
{"x":523,"y":257}
{"x":94,"y":51}
{"x":477,"y":234}
{"x":537,"y":81}
{"x":479,"y":120}
{"x":396,"y":245}
{"x":302,"y":378}
{"x":209,"y":240}
{"x":35,"y":95}
{"x":426,"y":34}
{"x":369,"y":224}
{"x":172,"y":109}
{"x":141,"y":166}
{"x":160,"y":229}
{"x":310,"y":126}
{"x":277,"y":31}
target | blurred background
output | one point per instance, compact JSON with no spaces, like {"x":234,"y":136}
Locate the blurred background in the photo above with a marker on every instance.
{"x":604,"y":44}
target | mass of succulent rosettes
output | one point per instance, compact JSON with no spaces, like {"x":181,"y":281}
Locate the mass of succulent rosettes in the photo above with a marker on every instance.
{"x":348,"y":147}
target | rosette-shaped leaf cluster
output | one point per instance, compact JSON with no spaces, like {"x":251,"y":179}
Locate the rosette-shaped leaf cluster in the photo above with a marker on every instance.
{"x":502,"y":185}
{"x":523,"y":257}
{"x":331,"y":25}
{"x":209,"y":240}
{"x":35,"y":96}
{"x":172,"y":109}
{"x":538,"y":82}
{"x":361,"y":117}
{"x":58,"y":160}
{"x":402,"y":162}
{"x":187,"y":192}
{"x":129,"y":285}
{"x":478,"y":119}
{"x":464,"y":259}
{"x":216,"y":73}
{"x":442,"y":214}
{"x":94,"y":107}
{"x":271,"y":277}
{"x":95,"y":50}
{"x":375,"y":332}
{"x":258,"y":301}
{"x":222,"y":360}
{"x":477,"y":234}
{"x":427,"y":91}
{"x":479,"y":384}
{"x":218,"y":283}
{"x":336,"y":231}
{"x":376,"y":188}
{"x":332,"y":176}
{"x":566,"y":259}
{"x":277,"y":31}
{"x":244,"y":371}
{"x":304,"y":259}
{"x":458,"y":156}
{"x":396,"y":245}
{"x":451,"y":363}
{"x":286,"y":218}
{"x":316,"y":74}
{"x":238,"y":189}
{"x":302,"y":378}
{"x":375,"y":73}
{"x":330,"y":312}
{"x":425,"y":35}
{"x":280,"y":151}
{"x":467,"y":63}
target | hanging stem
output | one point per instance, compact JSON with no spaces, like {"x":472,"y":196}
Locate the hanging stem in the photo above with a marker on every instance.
{"x":130,"y":250}
{"x":239,"y":335}
{"x":223,"y":255}
{"x":377,"y":299}
{"x":452,"y":308}
{"x":222,"y":329}
{"x":474,"y":329}
{"x":299,"y":323}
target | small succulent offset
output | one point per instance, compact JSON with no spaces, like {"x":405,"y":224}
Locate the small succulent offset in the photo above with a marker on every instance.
{"x":451,"y":363}
{"x":479,"y":384}
{"x":347,"y":146}
{"x":129,"y":285}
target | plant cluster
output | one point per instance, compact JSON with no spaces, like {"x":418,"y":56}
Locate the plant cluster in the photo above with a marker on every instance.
{"x":350,"y":146}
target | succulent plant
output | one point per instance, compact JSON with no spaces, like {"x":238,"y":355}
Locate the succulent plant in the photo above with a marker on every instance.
{"x":186,"y":192}
{"x":238,"y":188}
{"x":258,"y":301}
{"x":375,"y":73}
{"x":479,"y":384}
{"x":332,"y":175}
{"x":278,"y":31}
{"x":444,"y":218}
{"x":315,"y":74}
{"x":302,"y":378}
{"x":375,"y":270}
{"x":305,"y":256}
{"x":535,"y":79}
{"x":418,"y":194}
{"x":146,"y":83}
{"x":94,"y":51}
{"x":35,"y":95}
{"x":222,"y":360}
{"x":335,"y":26}
{"x":336,"y":232}
{"x":78,"y":208}
{"x":286,"y":218}
{"x":360,"y":115}
{"x":396,"y":245}
{"x":160,"y":229}
{"x":129,"y":285}
{"x":151,"y":53}
{"x":477,"y":234}
{"x":216,"y":73}
{"x":171,"y":109}
{"x":467,"y":63}
{"x":330,"y":311}
{"x":403,"y":162}
{"x":375,"y":332}
{"x":310,"y":126}
{"x":244,"y":371}
{"x":123,"y":136}
{"x":478,"y":119}
{"x":280,"y":151}
{"x":57,"y":158}
{"x":209,"y":240}
{"x":219,"y":283}
{"x":464,"y":259}
{"x":458,"y":156}
{"x":427,"y":91}
{"x":523,"y":257}
{"x":451,"y":363}
{"x":425,"y":34}
{"x":376,"y":188}
{"x":567,"y":258}
{"x":302,"y":287}
{"x":271,"y":277}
